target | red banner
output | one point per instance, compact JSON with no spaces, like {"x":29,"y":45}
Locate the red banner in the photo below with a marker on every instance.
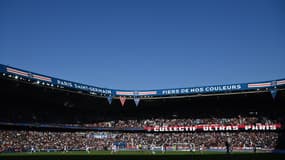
{"x":215,"y":127}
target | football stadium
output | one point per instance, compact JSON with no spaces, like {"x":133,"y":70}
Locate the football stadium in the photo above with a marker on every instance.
{"x":44,"y":117}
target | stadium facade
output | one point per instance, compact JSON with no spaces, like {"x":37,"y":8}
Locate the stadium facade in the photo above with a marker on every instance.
{"x":74,"y":115}
{"x":60,"y":83}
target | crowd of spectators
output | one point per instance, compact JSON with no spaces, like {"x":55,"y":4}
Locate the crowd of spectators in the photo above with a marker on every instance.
{"x":13,"y":140}
{"x":121,"y":124}
{"x":160,"y":122}
{"x":25,"y":140}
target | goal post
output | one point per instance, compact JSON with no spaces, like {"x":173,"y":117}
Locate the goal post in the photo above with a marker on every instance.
{"x":184,"y":147}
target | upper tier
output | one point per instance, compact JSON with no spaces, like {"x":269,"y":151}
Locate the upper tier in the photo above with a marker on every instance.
{"x":66,"y":84}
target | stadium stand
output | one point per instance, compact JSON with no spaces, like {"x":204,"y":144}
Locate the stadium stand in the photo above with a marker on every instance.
{"x":24,"y":141}
{"x":45,"y":115}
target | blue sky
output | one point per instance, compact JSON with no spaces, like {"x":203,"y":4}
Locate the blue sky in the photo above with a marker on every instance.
{"x":142,"y":44}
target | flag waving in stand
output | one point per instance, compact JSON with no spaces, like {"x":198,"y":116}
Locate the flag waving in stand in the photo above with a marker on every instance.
{"x":110,"y":99}
{"x":123,"y":100}
{"x":137,"y":100}
{"x":273,"y":93}
{"x":273,"y":90}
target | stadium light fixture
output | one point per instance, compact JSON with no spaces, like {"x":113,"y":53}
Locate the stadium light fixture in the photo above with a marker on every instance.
{"x":16,"y":77}
{"x":38,"y":82}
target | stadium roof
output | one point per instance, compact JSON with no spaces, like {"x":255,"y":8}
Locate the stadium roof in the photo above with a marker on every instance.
{"x":41,"y":79}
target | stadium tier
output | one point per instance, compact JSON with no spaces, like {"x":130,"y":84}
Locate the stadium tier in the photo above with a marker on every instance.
{"x":24,"y":141}
{"x":180,"y":92}
{"x":43,"y":113}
